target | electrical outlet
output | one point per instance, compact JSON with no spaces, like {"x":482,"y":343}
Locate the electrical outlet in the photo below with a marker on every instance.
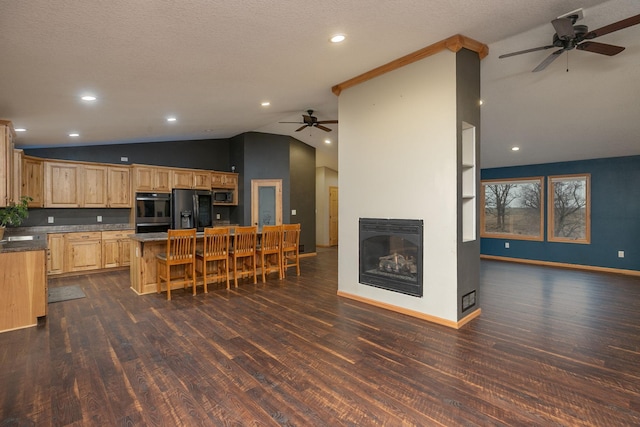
{"x":217,"y":216}
{"x":293,"y":212}
{"x":124,"y":159}
{"x":620,"y":254}
{"x":99,"y":218}
{"x":50,"y":220}
{"x":506,"y":245}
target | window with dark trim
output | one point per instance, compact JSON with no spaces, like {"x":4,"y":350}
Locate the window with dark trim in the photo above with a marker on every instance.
{"x":512,"y":208}
{"x":569,"y":215}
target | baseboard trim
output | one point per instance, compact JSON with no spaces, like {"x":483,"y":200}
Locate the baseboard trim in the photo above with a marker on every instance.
{"x":563,"y":265}
{"x":413,"y":313}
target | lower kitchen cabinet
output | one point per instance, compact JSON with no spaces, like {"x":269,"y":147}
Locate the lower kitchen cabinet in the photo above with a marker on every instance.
{"x":87,"y":251}
{"x":116,"y":248}
{"x":84,"y":251}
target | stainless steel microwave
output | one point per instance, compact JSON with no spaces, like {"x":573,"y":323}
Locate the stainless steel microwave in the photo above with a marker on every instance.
{"x":220,"y":196}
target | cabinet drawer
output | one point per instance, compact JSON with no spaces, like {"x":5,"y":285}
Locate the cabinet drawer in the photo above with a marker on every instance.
{"x":124,"y":234}
{"x":91,"y":235}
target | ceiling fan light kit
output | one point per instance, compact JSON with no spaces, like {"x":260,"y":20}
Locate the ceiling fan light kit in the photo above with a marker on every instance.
{"x":570,"y":36}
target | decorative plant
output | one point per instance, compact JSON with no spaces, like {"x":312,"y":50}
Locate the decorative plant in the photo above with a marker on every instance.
{"x":14,"y":214}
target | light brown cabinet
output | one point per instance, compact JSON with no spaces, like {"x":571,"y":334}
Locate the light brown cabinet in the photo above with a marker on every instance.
{"x":7,"y":135}
{"x":118,"y":187}
{"x":150,"y":178}
{"x":84,"y":251}
{"x":182,"y":178}
{"x":116,"y":248}
{"x":224,"y":180}
{"x":62,"y":184}
{"x":202,"y":180}
{"x":93,"y":186}
{"x":33,"y":180}
{"x":55,"y":253}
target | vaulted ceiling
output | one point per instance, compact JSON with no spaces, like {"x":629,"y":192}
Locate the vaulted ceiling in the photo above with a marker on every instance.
{"x":210,"y":64}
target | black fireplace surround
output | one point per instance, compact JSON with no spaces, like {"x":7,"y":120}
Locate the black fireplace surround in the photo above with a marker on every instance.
{"x":391,"y":254}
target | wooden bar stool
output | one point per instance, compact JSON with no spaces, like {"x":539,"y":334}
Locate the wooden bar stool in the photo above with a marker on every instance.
{"x":290,"y":244}
{"x":214,"y":255}
{"x":269,"y":249}
{"x":181,"y":250}
{"x":244,"y":250}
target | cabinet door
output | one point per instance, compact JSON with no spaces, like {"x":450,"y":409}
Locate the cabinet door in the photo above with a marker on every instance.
{"x":125,"y":252}
{"x":32,"y":181}
{"x":110,"y":253}
{"x":62,"y":185}
{"x":230,"y":180}
{"x":182,"y":179}
{"x":17,"y":175}
{"x":94,"y":186}
{"x":202,"y":180}
{"x":162,"y":180}
{"x":143,"y":177}
{"x":217,"y":180}
{"x":119,"y":187}
{"x":6,"y":163}
{"x":84,"y":251}
{"x":55,"y":253}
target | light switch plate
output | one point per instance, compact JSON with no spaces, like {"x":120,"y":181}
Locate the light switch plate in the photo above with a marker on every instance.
{"x":50,"y":220}
{"x":99,"y":218}
{"x":293,"y":211}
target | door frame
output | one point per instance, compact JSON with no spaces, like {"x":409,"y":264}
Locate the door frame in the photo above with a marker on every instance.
{"x":255,"y":191}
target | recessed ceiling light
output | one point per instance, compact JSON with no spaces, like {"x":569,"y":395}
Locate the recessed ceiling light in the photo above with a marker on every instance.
{"x":74,"y":134}
{"x":171,"y":119}
{"x":515,"y":148}
{"x":327,"y":141}
{"x":338,"y":38}
{"x":265,"y":103}
{"x":88,"y":98}
{"x":20,"y":130}
{"x":481,"y":102}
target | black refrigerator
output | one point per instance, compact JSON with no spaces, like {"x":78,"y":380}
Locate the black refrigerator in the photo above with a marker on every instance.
{"x":191,"y":209}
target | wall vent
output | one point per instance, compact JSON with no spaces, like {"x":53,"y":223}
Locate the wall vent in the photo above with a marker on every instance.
{"x":468,"y":300}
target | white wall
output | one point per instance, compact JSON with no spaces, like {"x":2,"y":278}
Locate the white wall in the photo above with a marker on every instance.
{"x":325,"y":178}
{"x":398,"y":160}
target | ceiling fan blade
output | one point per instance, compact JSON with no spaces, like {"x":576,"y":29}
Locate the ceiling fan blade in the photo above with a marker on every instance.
{"x":630,"y":21}
{"x":564,"y":28}
{"x":298,"y":123}
{"x":520,"y":52}
{"x":300,"y":128}
{"x":327,"y":121}
{"x":548,"y":60}
{"x":326,"y":129}
{"x":601,"y":48}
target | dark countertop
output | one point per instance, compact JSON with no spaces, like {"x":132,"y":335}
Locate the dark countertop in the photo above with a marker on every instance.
{"x":39,"y":243}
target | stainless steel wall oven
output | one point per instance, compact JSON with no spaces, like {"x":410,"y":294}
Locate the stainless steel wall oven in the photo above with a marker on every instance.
{"x":153,"y":212}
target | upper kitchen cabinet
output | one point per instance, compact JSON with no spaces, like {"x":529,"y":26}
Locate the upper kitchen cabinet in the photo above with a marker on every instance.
{"x":202,"y":180}
{"x":33,"y":180}
{"x":94,"y":186}
{"x":119,"y":187}
{"x":151,"y":178}
{"x":182,"y":178}
{"x":7,"y":134}
{"x":224,"y":180}
{"x":62,"y":182}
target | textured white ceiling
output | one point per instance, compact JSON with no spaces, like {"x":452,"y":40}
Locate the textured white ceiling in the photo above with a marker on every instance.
{"x":210,"y":63}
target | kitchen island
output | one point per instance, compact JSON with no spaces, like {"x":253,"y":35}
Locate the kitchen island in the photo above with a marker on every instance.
{"x":23,"y":281}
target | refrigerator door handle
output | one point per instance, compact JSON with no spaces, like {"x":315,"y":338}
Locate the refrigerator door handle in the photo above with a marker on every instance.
{"x":196,"y":208}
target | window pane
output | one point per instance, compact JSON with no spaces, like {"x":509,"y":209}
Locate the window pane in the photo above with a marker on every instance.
{"x":513,"y":209}
{"x":569,"y":208}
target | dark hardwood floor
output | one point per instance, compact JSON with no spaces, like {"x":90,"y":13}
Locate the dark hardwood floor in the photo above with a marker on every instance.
{"x":552,"y":347}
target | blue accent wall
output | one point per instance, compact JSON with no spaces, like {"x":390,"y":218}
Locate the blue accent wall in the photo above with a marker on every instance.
{"x":615,"y":215}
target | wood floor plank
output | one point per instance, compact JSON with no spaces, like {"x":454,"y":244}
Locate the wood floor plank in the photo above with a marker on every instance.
{"x":552,"y":347}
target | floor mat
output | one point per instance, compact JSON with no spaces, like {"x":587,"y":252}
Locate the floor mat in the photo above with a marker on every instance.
{"x":65,"y":293}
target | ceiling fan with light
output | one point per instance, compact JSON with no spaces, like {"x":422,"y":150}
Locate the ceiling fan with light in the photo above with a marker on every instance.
{"x":310,"y":121}
{"x":569,"y":36}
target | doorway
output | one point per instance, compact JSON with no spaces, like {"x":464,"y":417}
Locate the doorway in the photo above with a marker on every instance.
{"x":266,"y":202}
{"x":333,"y":216}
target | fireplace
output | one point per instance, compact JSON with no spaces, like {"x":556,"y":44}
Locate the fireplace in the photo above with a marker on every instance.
{"x":391,"y":254}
